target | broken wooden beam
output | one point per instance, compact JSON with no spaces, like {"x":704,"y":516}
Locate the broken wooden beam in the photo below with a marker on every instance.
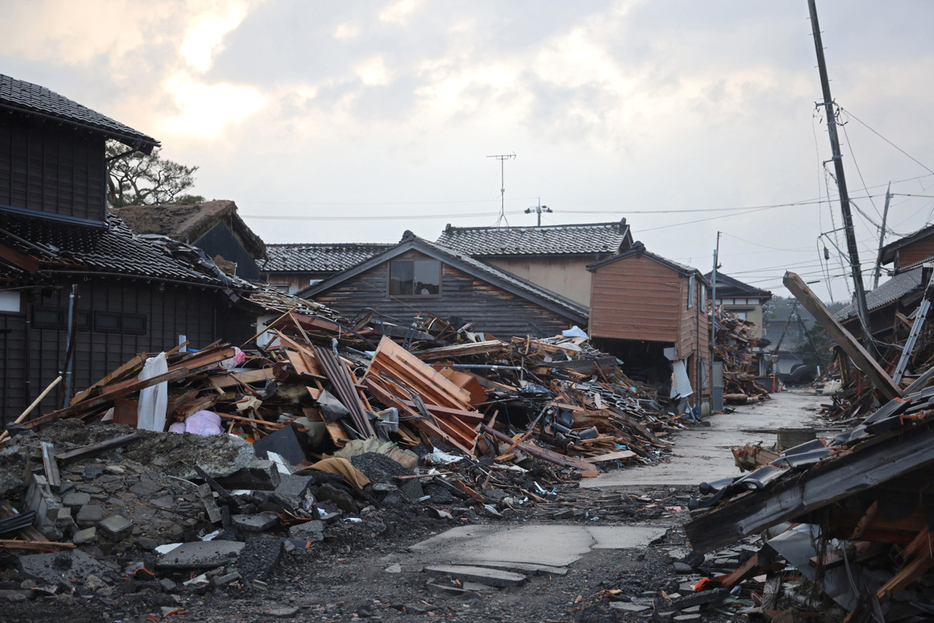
{"x":97,"y":448}
{"x":586,"y":468}
{"x":863,"y":360}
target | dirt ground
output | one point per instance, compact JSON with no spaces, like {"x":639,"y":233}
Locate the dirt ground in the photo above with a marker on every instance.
{"x":345,"y":576}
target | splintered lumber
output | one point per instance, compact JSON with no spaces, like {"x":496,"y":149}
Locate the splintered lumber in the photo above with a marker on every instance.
{"x":36,"y":546}
{"x":586,"y":468}
{"x":612,"y":456}
{"x":396,"y":377}
{"x":460,"y":350}
{"x":131,"y":365}
{"x":34,"y":404}
{"x":841,"y":336}
{"x":235,"y":378}
{"x":49,"y":464}
{"x":345,"y":388}
{"x":110,"y":396}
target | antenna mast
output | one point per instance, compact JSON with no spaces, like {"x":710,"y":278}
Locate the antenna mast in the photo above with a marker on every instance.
{"x":502,"y":190}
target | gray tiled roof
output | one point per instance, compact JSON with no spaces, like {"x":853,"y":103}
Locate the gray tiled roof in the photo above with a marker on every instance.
{"x":890,"y":291}
{"x":63,"y":248}
{"x":727,"y":287}
{"x":319,"y":258}
{"x":594,"y":238}
{"x":32,"y":98}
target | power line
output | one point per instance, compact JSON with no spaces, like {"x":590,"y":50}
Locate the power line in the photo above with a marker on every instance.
{"x":916,"y":161}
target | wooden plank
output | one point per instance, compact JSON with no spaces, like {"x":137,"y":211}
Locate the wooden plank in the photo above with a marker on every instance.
{"x":586,"y":468}
{"x":908,"y":574}
{"x":97,"y":448}
{"x":234,"y":378}
{"x":411,"y":362}
{"x":49,"y":464}
{"x":241,"y":418}
{"x":110,"y":396}
{"x":882,"y":381}
{"x":461,"y":350}
{"x":197,"y":360}
{"x":35,"y":546}
{"x":612,"y":456}
{"x":135,"y":362}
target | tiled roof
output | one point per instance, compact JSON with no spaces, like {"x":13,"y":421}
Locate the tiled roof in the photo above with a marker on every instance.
{"x":727,"y":287}
{"x":596,"y":238}
{"x":32,"y":98}
{"x":62,"y":248}
{"x":318,"y":258}
{"x":889,"y":292}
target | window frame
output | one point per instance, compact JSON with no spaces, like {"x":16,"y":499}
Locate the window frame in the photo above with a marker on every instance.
{"x":414,"y":295}
{"x":691,"y":292}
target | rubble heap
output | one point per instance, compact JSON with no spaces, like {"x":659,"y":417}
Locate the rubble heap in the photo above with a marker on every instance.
{"x":734,"y":347}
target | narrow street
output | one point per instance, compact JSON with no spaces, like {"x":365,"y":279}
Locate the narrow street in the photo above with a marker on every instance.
{"x":703,"y":453}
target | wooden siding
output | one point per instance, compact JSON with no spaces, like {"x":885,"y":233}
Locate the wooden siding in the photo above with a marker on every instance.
{"x":53,"y":170}
{"x":636,"y":299}
{"x":566,"y":276}
{"x":493,"y":310}
{"x":33,"y":355}
{"x":915,"y":252}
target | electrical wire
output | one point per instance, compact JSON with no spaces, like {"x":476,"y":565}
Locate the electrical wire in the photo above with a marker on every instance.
{"x":863,"y":123}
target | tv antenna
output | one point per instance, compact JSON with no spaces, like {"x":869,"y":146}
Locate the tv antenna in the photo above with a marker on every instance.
{"x":502,"y":190}
{"x":538,"y":210}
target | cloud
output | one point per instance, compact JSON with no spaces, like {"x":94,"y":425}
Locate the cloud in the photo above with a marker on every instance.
{"x":399,"y":12}
{"x":205,"y":34}
{"x":204,"y":110}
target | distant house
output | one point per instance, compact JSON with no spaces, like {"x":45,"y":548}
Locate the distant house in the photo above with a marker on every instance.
{"x":213,"y":226}
{"x":294,"y":267}
{"x":740,"y":299}
{"x":416,"y":277}
{"x":651,"y":312}
{"x":554,"y":257}
{"x":79,"y":293}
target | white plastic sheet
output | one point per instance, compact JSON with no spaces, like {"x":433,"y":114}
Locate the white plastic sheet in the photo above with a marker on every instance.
{"x":153,"y":401}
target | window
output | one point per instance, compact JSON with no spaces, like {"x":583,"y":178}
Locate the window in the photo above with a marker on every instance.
{"x":415,"y":277}
{"x":47,"y":317}
{"x":691,"y":292}
{"x":9,"y":301}
{"x":703,"y":300}
{"x":113,"y":322}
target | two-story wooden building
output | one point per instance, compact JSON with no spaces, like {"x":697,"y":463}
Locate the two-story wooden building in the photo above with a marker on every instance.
{"x":79,"y":293}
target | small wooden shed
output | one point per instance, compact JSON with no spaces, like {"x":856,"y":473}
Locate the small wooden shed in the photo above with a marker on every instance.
{"x":652,"y":313}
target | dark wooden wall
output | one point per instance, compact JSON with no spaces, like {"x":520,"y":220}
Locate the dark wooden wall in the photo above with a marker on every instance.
{"x":915,"y":252}
{"x":54,"y":170}
{"x":35,"y":353}
{"x":493,"y":310}
{"x":220,"y":241}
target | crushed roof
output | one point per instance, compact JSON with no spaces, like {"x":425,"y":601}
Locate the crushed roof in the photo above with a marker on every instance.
{"x":188,"y":222}
{"x":31,"y":98}
{"x":729,"y":287}
{"x":63,"y":248}
{"x":594,"y":238}
{"x":319,"y":258}
{"x":889,"y":292}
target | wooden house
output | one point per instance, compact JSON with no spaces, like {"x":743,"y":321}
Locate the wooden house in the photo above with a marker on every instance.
{"x":417,"y":277}
{"x":554,"y":257}
{"x":294,"y":267}
{"x":652,"y":313}
{"x":213,"y":226}
{"x":79,"y":293}
{"x":741,"y":299}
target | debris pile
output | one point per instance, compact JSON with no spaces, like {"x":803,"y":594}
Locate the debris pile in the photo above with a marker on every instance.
{"x":735,"y":346}
{"x":849,"y":513}
{"x":202,"y":468}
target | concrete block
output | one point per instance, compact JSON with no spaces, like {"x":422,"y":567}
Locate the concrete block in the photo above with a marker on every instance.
{"x":63,"y":520}
{"x":259,"y":522}
{"x":283,"y":442}
{"x":88,"y":535}
{"x":90,"y":515}
{"x":310,"y":531}
{"x":54,"y":567}
{"x":201,"y":555}
{"x":76,"y":499}
{"x":293,"y":486}
{"x":259,"y":475}
{"x":490,"y":577}
{"x":224,"y":580}
{"x":116,"y":526}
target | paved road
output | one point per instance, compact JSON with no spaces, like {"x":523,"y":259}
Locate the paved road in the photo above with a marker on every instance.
{"x":703,"y":454}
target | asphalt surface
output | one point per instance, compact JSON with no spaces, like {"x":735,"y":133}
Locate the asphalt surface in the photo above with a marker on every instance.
{"x":703,"y":454}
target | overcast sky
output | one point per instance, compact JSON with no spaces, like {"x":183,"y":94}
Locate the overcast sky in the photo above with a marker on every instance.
{"x":354,"y":121}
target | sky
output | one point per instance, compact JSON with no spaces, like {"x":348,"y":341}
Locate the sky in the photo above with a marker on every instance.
{"x":356,"y":121}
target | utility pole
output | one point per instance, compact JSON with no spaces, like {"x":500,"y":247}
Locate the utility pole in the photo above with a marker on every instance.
{"x":538,"y":210}
{"x":779,"y":345}
{"x":885,"y":215}
{"x":841,"y":184}
{"x":502,"y":191}
{"x":713,"y":297}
